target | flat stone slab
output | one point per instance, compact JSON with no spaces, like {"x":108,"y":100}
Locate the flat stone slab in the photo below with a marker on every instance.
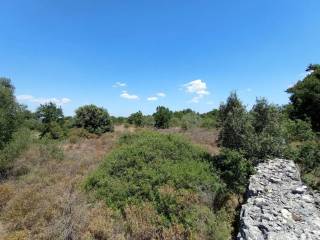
{"x":279,"y":205}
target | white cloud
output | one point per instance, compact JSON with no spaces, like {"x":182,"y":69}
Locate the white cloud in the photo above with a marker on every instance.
{"x":197,"y":88}
{"x":119,"y":84}
{"x":32,"y":99}
{"x":152,"y":98}
{"x":126,"y":95}
{"x":161,"y":94}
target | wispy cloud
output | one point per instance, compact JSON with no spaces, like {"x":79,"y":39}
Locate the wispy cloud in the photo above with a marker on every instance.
{"x":128,"y":96}
{"x":32,"y":99}
{"x":161,"y":94}
{"x":152,"y":98}
{"x":198,"y":88}
{"x":119,"y":85}
{"x":157,"y":96}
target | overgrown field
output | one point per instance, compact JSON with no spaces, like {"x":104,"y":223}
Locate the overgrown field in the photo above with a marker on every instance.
{"x":157,"y":186}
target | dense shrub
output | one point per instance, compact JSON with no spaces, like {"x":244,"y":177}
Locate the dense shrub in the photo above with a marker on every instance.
{"x":136,"y":119}
{"x":168,"y":172}
{"x":236,"y":127}
{"x":162,"y":117}
{"x":307,"y":155}
{"x":298,"y":130}
{"x":258,"y":134}
{"x":94,"y":119}
{"x":190,"y":120}
{"x":9,"y":111}
{"x":305,"y":97}
{"x":269,"y":137}
{"x":235,"y":169}
{"x":20,"y":141}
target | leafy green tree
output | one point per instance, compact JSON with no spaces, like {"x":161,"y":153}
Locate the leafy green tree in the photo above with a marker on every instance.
{"x":305,"y":97}
{"x":162,"y":117}
{"x":94,"y":119}
{"x":49,"y":112}
{"x":236,"y":126}
{"x":136,"y":119}
{"x":9,"y":111}
{"x":51,"y":117}
{"x":269,"y":135}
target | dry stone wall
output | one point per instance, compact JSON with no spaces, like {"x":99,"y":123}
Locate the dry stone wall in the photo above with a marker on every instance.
{"x":279,"y":205}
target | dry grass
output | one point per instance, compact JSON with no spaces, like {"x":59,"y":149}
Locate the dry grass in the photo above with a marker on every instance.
{"x":44,"y":199}
{"x":206,"y":137}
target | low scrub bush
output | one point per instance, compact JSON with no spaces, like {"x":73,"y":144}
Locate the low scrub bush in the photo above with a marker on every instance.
{"x":19,"y":143}
{"x":76,"y":134}
{"x":235,"y":169}
{"x":307,"y":155}
{"x":190,"y":120}
{"x":169,"y":174}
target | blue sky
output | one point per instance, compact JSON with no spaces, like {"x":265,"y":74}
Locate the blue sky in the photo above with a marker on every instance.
{"x":193,"y":52}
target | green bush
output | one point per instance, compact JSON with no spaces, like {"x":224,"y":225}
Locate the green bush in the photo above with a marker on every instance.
{"x":166,"y":170}
{"x":269,"y":138}
{"x":21,"y":139}
{"x":307,"y":155}
{"x":234,"y":168}
{"x":136,"y":119}
{"x":94,"y":119}
{"x":162,"y":117}
{"x":305,"y":97}
{"x":9,"y":112}
{"x":236,"y":127}
{"x":299,"y":130}
{"x":190,"y":120}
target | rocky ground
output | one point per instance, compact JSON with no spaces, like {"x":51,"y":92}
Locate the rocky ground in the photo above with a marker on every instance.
{"x":279,"y":205}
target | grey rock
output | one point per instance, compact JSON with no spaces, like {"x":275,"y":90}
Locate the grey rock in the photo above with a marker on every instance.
{"x":279,"y":205}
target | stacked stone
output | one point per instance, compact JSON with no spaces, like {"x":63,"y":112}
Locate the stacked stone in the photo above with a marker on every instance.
{"x":279,"y":205}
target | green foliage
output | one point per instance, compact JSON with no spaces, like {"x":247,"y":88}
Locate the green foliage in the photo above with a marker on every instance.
{"x":210,"y":119}
{"x":118,"y":120}
{"x":298,"y":130}
{"x":162,"y":117}
{"x":180,"y":114}
{"x":148,"y":121}
{"x":49,"y":113}
{"x":307,"y":155}
{"x":235,"y":169}
{"x":9,"y":111}
{"x":165,"y":170}
{"x":51,"y":118}
{"x":20,"y":141}
{"x":305,"y":97}
{"x":269,"y":137}
{"x":136,"y":119}
{"x":190,"y":120}
{"x":94,"y":119}
{"x":258,"y":134}
{"x":236,"y":127}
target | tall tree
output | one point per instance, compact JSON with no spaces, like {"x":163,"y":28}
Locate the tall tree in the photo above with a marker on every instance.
{"x":162,"y":117}
{"x":9,"y":110}
{"x":305,"y":97}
